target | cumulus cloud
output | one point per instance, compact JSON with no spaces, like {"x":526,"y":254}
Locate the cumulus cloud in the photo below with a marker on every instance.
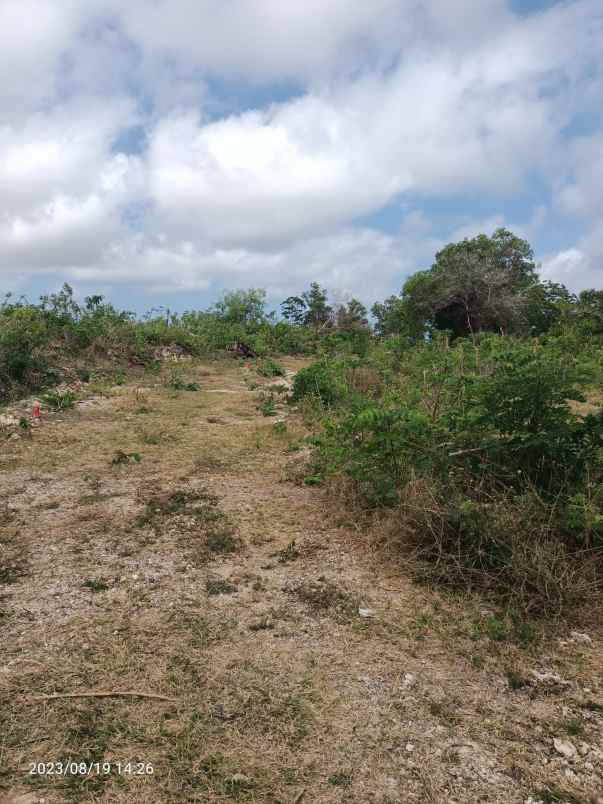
{"x":462,"y":99}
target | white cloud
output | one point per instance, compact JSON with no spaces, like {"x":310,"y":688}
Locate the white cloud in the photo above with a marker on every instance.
{"x":440,"y":99}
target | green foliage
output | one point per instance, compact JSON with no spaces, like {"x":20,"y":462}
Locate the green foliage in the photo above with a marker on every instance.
{"x":479,"y":449}
{"x":323,"y":380}
{"x":59,"y":400}
{"x":269,"y":368}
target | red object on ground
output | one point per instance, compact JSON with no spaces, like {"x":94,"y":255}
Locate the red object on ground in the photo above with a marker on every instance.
{"x":35,"y":411}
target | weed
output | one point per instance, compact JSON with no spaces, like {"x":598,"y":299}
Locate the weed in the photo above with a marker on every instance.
{"x":340,"y":779}
{"x":267,"y":407}
{"x":120,"y":458}
{"x":218,"y":586}
{"x":269,"y":368}
{"x":59,"y":400}
{"x":515,"y":680}
{"x":496,"y":629}
{"x":323,"y":596}
{"x":176,"y":382}
{"x":279,"y":428}
{"x":290,"y":553}
{"x":96,"y":585}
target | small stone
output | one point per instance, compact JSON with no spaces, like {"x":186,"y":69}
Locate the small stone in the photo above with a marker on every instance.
{"x":409,"y":680}
{"x":583,"y":748}
{"x":240,"y":778}
{"x":410,"y":748}
{"x":366,"y":613}
{"x":565,"y":748}
{"x":580,"y":638}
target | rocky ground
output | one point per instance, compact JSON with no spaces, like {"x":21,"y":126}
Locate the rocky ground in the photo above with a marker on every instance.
{"x":157,"y":541}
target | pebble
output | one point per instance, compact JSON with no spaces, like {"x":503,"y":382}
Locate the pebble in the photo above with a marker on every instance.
{"x":564,"y":747}
{"x":580,"y":638}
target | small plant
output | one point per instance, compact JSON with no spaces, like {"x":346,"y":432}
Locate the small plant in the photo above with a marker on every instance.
{"x":279,"y":428}
{"x":496,"y":629}
{"x":340,"y":779}
{"x":290,"y":553}
{"x":120,"y":458}
{"x":268,"y":368}
{"x":59,"y":400}
{"x":515,"y":680}
{"x":96,"y":585}
{"x":218,"y":586}
{"x":266,"y":407}
{"x":24,"y":423}
{"x":176,"y":382}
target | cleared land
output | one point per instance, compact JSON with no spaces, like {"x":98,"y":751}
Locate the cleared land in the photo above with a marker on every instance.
{"x":163,"y":542}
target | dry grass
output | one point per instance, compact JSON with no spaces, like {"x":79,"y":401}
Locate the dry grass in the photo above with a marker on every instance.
{"x":280,"y":686}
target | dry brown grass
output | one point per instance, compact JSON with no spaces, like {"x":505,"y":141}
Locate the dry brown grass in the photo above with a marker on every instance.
{"x":280,"y":686}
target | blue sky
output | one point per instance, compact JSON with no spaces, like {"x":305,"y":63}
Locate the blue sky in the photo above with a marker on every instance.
{"x":158,"y":152}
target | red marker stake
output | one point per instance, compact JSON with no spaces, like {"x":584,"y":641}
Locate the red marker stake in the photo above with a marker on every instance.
{"x":35,"y":412}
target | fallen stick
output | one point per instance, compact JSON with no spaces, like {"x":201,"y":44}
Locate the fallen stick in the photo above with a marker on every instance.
{"x":110,"y":694}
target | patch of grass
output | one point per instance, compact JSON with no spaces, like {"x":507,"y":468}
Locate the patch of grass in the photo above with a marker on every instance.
{"x":340,"y":779}
{"x":269,"y":368}
{"x":496,"y":629}
{"x":290,"y":553}
{"x":120,"y":458}
{"x":176,"y":382}
{"x":198,"y":515}
{"x":551,"y":794}
{"x":324,"y":597}
{"x":574,"y":727}
{"x":515,"y":680}
{"x":266,"y":406}
{"x":445,"y":711}
{"x":279,"y":428}
{"x":218,"y":586}
{"x":13,"y":565}
{"x":96,"y":585}
{"x":592,"y":706}
{"x":59,"y":400}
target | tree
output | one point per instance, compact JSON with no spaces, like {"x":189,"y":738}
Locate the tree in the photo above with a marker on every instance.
{"x":589,"y":311}
{"x":309,"y":309}
{"x":318,"y":312}
{"x":351,"y":317}
{"x":242,"y":306}
{"x":546,"y":305}
{"x":294,"y":309}
{"x":473,"y":286}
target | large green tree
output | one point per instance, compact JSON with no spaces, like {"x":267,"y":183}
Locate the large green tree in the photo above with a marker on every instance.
{"x":473,"y":286}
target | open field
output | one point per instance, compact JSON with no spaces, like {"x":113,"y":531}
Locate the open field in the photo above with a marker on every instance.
{"x":162,"y":541}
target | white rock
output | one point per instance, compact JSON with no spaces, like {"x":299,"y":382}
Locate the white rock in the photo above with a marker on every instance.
{"x":366,"y":612}
{"x":410,"y":747}
{"x":565,"y":748}
{"x":409,"y":680}
{"x":580,"y":638}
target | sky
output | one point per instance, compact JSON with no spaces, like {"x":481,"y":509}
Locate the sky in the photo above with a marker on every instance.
{"x":160,"y":151}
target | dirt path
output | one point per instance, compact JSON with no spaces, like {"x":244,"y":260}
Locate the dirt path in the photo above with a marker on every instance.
{"x":162,"y":542}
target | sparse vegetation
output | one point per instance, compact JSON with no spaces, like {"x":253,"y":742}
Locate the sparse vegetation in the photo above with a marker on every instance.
{"x":467,"y":460}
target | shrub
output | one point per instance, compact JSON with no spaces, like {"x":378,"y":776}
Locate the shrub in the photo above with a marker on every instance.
{"x":268,"y":368}
{"x":322,"y":380}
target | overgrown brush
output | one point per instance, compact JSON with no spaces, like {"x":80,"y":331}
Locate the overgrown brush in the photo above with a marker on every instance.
{"x":494,"y":479}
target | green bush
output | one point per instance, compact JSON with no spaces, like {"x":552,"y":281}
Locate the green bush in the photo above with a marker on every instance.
{"x":323,"y":381}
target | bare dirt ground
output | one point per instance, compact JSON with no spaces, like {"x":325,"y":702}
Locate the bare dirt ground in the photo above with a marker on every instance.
{"x":163,"y":542}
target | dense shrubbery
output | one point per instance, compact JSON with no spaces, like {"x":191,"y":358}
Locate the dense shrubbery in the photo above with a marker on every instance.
{"x":495,"y":479}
